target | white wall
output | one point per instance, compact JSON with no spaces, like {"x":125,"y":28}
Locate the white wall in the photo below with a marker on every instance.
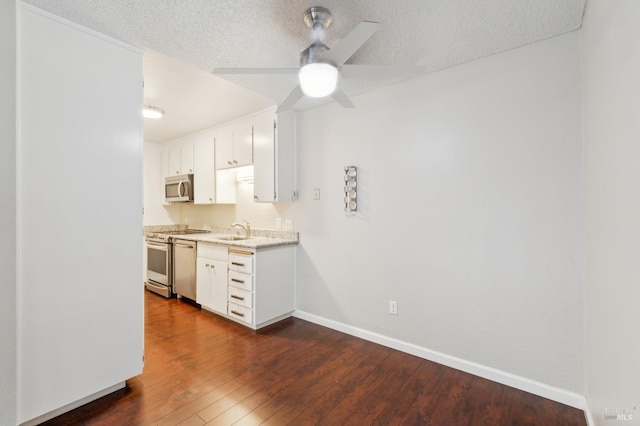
{"x":80,"y":315}
{"x":155,"y":212}
{"x":611,"y":66}
{"x":470,"y":213}
{"x":8,"y":212}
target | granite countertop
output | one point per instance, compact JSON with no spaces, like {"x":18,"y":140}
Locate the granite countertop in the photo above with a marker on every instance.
{"x":260,"y":238}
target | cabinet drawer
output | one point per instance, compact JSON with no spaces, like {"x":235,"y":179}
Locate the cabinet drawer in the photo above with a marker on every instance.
{"x":240,"y":297}
{"x":241,"y":313}
{"x":241,"y":263}
{"x":213,"y":251}
{"x":241,"y":280}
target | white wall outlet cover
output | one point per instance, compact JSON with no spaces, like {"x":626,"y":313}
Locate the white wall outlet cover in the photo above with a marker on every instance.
{"x":288,"y":224}
{"x":278,"y":223}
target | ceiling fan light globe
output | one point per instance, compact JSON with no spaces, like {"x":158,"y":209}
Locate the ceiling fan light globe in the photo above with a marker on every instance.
{"x":318,"y":80}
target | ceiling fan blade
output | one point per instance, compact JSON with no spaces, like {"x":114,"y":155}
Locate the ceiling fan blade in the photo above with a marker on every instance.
{"x":380,"y":71}
{"x":291,"y":100}
{"x":341,"y":52}
{"x":340,"y":97}
{"x":255,"y":71}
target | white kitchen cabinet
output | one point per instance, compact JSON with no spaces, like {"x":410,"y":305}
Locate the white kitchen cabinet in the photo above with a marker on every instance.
{"x":180,"y":157}
{"x":234,"y":144}
{"x":274,"y":157}
{"x":224,"y":147}
{"x":260,"y":285}
{"x":211,"y":277}
{"x":174,"y":159}
{"x":195,"y":154}
{"x":186,"y":157}
{"x":243,"y":142}
{"x":204,"y":175}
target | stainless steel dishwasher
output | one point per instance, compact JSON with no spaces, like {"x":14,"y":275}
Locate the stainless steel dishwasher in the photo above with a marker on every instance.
{"x":184,"y":268}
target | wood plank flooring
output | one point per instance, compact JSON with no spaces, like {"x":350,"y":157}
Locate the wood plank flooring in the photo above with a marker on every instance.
{"x":201,"y":369}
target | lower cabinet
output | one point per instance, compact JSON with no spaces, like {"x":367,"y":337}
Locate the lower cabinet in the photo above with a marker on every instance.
{"x":258,"y":287}
{"x":261,"y":285}
{"x":211,"y":277}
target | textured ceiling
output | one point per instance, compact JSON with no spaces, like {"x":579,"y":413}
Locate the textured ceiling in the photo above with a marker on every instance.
{"x":210,"y":34}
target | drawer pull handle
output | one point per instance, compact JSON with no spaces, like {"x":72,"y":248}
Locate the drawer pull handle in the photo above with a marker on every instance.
{"x":237,"y":280}
{"x":237,"y":313}
{"x":244,"y":252}
{"x":237,"y":297}
{"x":237,"y":264}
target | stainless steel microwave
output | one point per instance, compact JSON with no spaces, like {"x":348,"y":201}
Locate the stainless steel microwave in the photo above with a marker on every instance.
{"x":178,"y":188}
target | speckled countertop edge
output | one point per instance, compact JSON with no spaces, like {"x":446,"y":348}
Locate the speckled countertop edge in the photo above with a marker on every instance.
{"x":260,"y":238}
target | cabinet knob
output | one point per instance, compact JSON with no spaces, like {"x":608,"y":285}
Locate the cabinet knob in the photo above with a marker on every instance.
{"x":229,"y":163}
{"x":235,"y":162}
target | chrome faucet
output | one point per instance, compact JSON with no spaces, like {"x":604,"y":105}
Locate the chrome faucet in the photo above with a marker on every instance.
{"x":247,"y":229}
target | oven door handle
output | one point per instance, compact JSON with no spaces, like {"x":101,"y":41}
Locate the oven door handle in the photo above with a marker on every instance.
{"x":163,"y":247}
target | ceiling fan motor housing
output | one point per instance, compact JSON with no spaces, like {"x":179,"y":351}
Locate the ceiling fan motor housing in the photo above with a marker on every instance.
{"x":312,"y":54}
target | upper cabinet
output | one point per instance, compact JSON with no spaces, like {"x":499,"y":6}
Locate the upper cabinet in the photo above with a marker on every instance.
{"x":274,"y":157}
{"x":265,"y":140}
{"x":234,"y":144}
{"x":195,"y":154}
{"x":204,"y":175}
{"x":180,"y":157}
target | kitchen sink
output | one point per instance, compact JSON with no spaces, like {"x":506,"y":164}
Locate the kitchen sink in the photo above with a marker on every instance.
{"x":229,"y":237}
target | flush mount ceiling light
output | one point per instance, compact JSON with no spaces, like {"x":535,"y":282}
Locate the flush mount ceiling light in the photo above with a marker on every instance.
{"x":152,"y":112}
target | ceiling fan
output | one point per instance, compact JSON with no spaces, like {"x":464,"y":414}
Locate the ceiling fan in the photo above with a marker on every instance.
{"x":322,"y":67}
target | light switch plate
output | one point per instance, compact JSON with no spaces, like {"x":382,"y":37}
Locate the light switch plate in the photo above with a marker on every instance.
{"x":288,"y":224}
{"x":316,"y":194}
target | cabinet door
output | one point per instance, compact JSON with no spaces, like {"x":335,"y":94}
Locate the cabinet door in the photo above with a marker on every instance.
{"x":186,"y":158}
{"x":212,"y":284}
{"x":285,"y":153}
{"x":243,"y":142}
{"x":174,"y":159}
{"x":264,"y":157}
{"x":224,"y":147}
{"x":204,"y":175}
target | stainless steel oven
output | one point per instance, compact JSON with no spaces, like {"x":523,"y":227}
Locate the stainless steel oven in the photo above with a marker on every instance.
{"x":160,"y":270}
{"x":159,"y":266}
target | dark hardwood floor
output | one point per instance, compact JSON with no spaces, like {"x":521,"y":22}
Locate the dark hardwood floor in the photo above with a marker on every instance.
{"x":201,"y":369}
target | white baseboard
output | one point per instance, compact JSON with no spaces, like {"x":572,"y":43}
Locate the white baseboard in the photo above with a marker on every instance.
{"x":562,"y":396}
{"x":588,"y":415}
{"x":55,"y":413}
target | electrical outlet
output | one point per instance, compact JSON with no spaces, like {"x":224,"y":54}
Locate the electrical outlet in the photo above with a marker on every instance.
{"x":288,"y":224}
{"x":393,"y":307}
{"x":279,"y":223}
{"x":316,"y":194}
